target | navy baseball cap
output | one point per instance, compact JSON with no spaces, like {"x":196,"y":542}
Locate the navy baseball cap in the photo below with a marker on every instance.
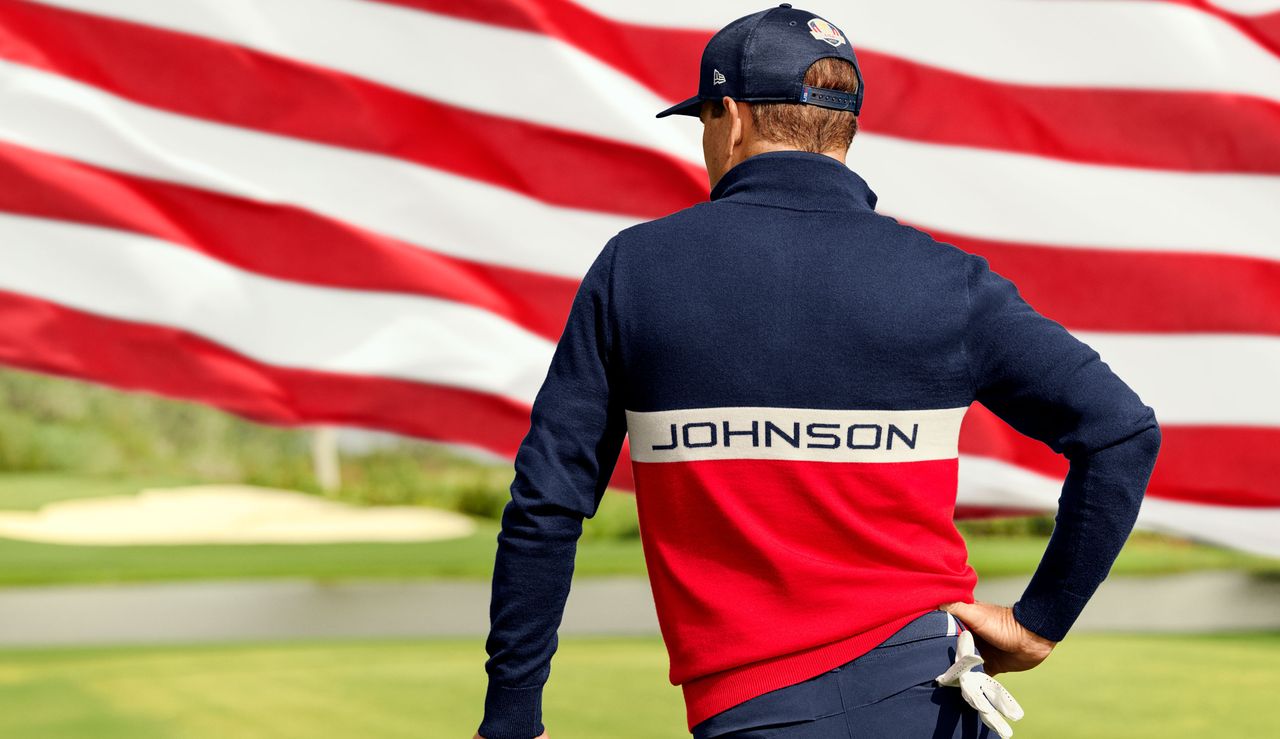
{"x":763,"y":57}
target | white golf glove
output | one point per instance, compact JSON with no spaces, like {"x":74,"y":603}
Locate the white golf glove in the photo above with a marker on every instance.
{"x":988,"y":697}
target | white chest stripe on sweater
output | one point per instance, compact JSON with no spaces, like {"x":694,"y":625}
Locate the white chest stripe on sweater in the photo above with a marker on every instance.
{"x":800,"y":434}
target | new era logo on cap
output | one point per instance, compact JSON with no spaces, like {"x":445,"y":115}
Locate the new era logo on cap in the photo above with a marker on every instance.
{"x":716,"y":77}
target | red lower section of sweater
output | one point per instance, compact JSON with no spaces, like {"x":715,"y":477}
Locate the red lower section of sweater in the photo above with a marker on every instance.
{"x":767,"y":572}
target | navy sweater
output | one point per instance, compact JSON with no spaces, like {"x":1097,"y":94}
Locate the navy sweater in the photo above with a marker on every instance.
{"x":791,"y":368}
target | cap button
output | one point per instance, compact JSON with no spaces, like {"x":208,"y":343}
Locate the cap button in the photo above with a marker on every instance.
{"x":784,"y":5}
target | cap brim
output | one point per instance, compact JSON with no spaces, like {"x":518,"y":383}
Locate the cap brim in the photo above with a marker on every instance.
{"x":692,"y":106}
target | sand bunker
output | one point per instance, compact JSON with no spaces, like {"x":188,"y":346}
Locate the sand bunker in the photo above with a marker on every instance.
{"x":227,"y":514}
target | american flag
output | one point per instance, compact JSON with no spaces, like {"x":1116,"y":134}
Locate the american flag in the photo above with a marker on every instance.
{"x":377,"y":213}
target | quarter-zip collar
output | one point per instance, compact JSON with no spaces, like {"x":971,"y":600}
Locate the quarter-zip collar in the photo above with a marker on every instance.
{"x":799,"y":180}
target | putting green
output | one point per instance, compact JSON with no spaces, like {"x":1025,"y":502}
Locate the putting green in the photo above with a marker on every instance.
{"x":1095,"y":685}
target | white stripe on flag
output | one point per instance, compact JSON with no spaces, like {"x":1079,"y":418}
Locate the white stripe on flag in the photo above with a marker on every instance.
{"x":1248,"y":7}
{"x":1199,"y":379}
{"x":1035,"y":200}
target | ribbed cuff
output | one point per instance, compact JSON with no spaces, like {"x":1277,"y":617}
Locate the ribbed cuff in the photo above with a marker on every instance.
{"x":1049,"y":614}
{"x":512,"y":713}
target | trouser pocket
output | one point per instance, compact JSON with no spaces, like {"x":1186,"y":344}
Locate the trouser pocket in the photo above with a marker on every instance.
{"x":888,"y":670}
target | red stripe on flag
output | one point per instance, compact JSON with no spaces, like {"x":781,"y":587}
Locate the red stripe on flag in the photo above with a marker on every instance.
{"x":47,"y":337}
{"x":1140,"y":291}
{"x":1133,"y":128}
{"x":1211,"y":465}
{"x":305,"y":247}
{"x":987,"y":511}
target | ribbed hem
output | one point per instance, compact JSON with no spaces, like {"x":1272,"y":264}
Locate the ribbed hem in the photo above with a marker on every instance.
{"x":512,"y":713}
{"x":706,"y":696}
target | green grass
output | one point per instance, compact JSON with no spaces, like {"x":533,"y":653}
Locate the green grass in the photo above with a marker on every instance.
{"x":1151,"y":686}
{"x":472,"y":557}
{"x":1094,"y":686}
{"x":27,"y":563}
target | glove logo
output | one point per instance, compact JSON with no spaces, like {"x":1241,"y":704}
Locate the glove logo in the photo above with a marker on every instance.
{"x":824,"y":31}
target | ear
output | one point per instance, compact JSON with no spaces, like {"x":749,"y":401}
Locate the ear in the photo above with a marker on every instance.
{"x":735,"y":112}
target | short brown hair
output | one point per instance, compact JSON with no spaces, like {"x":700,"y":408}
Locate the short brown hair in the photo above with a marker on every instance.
{"x":809,"y":127}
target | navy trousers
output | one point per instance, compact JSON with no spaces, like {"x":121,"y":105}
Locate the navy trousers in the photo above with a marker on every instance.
{"x":887,"y":692}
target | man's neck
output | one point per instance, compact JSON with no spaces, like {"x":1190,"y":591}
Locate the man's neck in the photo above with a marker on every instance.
{"x":760,"y":147}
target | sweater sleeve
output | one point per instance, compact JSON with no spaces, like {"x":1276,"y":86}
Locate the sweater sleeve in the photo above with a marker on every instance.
{"x":562,"y":467}
{"x":1049,"y":385}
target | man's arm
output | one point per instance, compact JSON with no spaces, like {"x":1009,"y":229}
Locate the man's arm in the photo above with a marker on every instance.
{"x":561,"y":470}
{"x":1031,"y":372}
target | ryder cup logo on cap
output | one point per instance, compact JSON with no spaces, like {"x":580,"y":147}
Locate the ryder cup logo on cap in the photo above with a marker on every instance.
{"x":763,"y":57}
{"x":824,"y":31}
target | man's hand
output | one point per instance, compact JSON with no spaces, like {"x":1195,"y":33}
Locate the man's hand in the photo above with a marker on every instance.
{"x":542,"y":736}
{"x":1005,"y":644}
